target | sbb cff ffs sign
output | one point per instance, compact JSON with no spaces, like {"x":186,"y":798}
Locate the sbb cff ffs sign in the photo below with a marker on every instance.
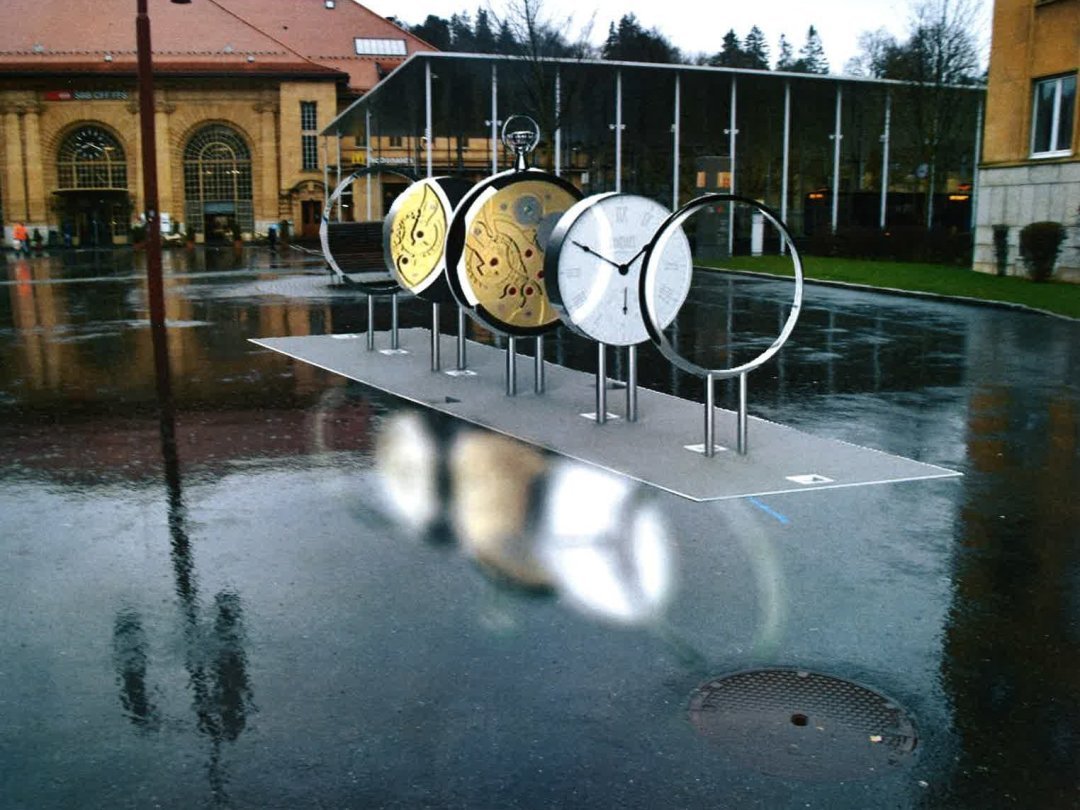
{"x":86,"y":95}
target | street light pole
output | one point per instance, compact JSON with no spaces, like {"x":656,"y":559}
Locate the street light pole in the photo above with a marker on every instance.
{"x":154,"y":287}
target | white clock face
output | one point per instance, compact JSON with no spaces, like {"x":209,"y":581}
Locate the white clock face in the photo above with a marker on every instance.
{"x":598,"y":263}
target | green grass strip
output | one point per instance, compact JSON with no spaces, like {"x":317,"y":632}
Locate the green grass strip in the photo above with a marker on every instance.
{"x":940,"y":279}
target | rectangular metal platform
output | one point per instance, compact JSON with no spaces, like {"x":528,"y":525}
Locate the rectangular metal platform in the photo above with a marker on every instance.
{"x":654,"y":450}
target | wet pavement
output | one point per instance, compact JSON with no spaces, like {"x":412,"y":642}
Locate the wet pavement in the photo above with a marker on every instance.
{"x":265,"y":586}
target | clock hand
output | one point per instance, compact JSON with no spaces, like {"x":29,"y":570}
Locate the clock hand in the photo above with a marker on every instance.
{"x":625,"y":308}
{"x":589,"y":250}
{"x":624,"y":268}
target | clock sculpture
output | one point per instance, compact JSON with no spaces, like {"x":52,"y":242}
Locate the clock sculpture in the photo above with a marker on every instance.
{"x":414,"y":236}
{"x":656,"y":295}
{"x":497,"y":242}
{"x":374,"y":279}
{"x":592,"y":267}
{"x":414,"y":246}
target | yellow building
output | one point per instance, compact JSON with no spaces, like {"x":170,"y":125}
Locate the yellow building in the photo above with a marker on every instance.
{"x":1030,"y":169}
{"x":242,"y":89}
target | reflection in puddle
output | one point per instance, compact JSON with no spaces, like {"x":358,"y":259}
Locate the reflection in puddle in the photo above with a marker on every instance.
{"x":594,"y":538}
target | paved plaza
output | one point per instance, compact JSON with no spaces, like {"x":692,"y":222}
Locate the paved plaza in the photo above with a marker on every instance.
{"x":287,"y":589}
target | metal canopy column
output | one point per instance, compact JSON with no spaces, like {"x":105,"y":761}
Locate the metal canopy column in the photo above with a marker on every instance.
{"x":675,"y":147}
{"x":885,"y":158}
{"x":732,"y":132}
{"x":338,"y":180}
{"x":558,"y":123}
{"x":427,"y":113}
{"x":787,"y":155}
{"x":618,"y":130}
{"x":367,"y":158}
{"x":494,"y":120}
{"x":837,"y":136}
{"x":975,"y":164}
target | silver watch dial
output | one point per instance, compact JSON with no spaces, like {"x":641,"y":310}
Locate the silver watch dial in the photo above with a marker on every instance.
{"x":601,"y":243}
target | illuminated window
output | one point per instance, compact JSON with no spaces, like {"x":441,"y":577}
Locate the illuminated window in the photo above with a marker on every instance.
{"x":217,"y":177}
{"x":91,"y":157}
{"x":1052,"y":116}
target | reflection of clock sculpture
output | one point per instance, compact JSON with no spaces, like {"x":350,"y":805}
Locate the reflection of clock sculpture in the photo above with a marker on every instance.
{"x":414,"y":235}
{"x":594,"y":260}
{"x":497,"y":241}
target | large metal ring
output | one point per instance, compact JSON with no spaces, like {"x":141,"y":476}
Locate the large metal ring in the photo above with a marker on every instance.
{"x":520,"y":140}
{"x":379,"y":286}
{"x":647,"y":295}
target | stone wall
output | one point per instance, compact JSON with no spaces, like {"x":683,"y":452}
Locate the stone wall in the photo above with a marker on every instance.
{"x":1018,"y":195}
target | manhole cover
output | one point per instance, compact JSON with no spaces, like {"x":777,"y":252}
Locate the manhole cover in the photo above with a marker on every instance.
{"x":794,"y":723}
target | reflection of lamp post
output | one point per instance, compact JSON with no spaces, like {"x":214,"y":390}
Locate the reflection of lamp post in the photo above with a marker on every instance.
{"x":154,"y":289}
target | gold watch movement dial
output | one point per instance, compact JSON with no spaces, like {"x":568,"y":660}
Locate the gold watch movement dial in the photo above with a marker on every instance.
{"x":503,"y":260}
{"x":418,"y":235}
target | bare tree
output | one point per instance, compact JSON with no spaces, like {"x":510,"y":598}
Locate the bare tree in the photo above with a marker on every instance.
{"x":875,"y":50}
{"x":538,"y":37}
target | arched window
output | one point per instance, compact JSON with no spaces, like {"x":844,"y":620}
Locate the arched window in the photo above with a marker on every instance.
{"x":90,"y":157}
{"x":217,"y":178}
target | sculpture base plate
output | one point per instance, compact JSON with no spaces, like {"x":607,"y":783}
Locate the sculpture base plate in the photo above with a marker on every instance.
{"x":658,"y":449}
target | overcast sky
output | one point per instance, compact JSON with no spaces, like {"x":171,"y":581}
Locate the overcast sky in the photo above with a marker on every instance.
{"x":697,"y":26}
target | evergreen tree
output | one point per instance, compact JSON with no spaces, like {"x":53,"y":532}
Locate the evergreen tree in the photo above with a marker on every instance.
{"x":461,"y":32}
{"x":632,"y":43}
{"x":785,"y":59}
{"x":483,"y":36}
{"x":505,"y":42}
{"x":435,"y":31}
{"x":755,"y":50}
{"x":731,"y":53}
{"x":812,"y":55}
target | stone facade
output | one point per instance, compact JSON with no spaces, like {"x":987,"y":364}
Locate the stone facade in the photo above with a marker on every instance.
{"x":1032,"y":40}
{"x":265,"y":116}
{"x":1015,"y":196}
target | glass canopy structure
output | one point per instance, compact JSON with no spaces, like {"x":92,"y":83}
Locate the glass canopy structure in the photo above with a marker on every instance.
{"x":826,"y":152}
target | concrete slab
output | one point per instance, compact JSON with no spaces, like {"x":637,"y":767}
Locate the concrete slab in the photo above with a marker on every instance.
{"x":663,"y":448}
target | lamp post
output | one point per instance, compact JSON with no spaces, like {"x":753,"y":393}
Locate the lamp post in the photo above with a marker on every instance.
{"x":154,"y":287}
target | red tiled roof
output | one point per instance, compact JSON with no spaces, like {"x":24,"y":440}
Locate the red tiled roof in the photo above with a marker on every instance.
{"x":246,"y":37}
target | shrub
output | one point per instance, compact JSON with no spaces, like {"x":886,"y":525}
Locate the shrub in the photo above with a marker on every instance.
{"x":906,"y":243}
{"x":1040,"y":243}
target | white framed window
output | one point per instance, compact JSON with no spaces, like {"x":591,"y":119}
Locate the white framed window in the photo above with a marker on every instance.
{"x":1052,"y":115}
{"x":369,"y":46}
{"x":309,"y":131}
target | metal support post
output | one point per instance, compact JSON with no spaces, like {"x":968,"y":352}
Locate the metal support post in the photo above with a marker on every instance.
{"x":539,"y":382}
{"x":461,"y":365}
{"x":511,"y":366}
{"x":371,"y":323}
{"x":740,"y":436}
{"x":631,"y":383}
{"x":394,"y":322}
{"x":436,"y":358}
{"x":601,"y":383}
{"x":710,"y":417}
